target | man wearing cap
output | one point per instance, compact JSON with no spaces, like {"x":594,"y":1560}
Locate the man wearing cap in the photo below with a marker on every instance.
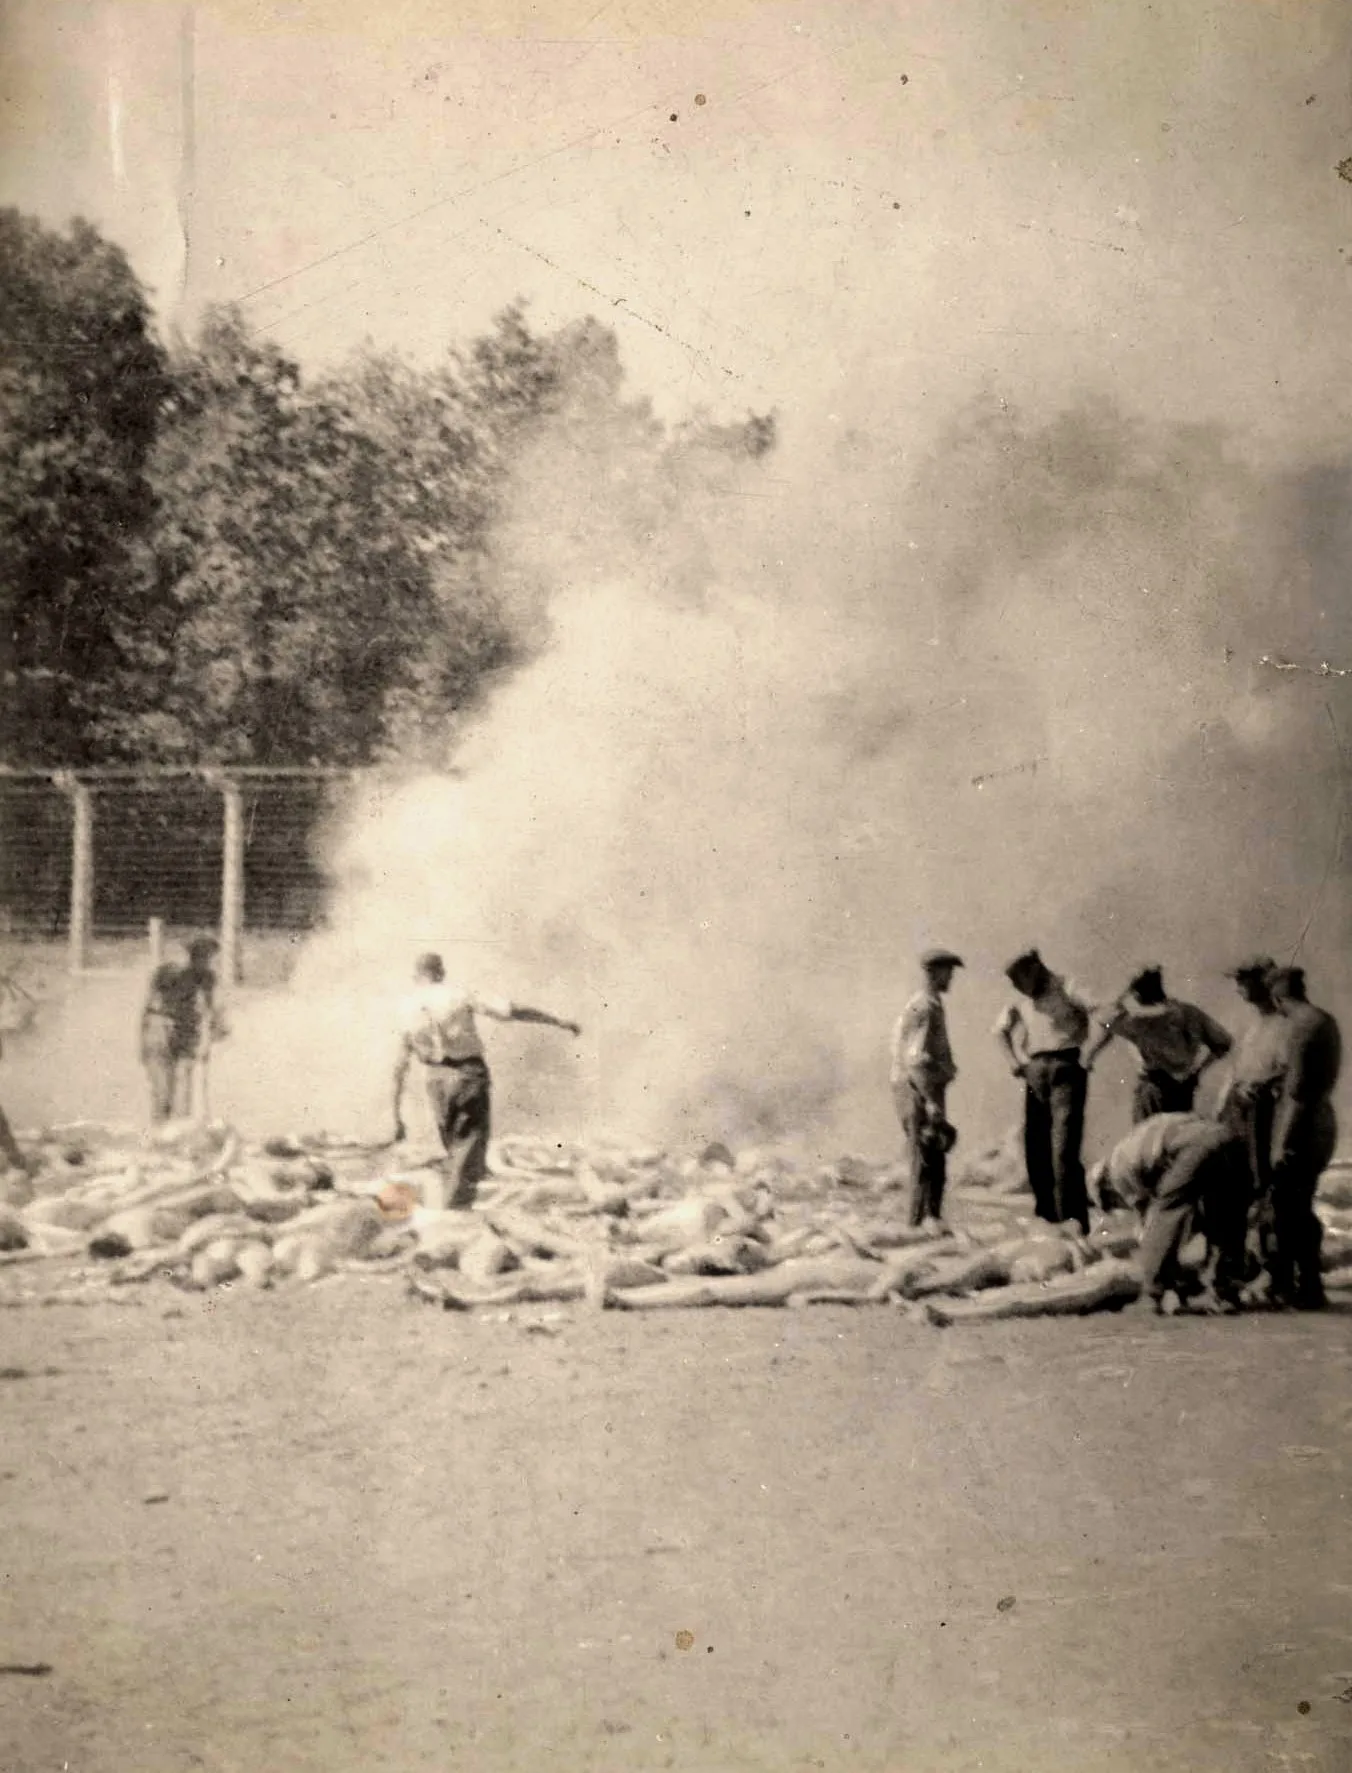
{"x":1304,"y":1137}
{"x":1174,"y":1043}
{"x":922,"y":1070}
{"x":180,"y":1021}
{"x":437,"y":1028}
{"x":1043,"y":1032}
{"x":1177,"y":1169}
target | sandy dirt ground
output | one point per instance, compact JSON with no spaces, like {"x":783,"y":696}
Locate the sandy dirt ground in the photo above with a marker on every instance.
{"x":336,"y":1529}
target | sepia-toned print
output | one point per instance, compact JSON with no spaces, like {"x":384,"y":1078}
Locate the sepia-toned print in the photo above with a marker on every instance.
{"x":674,"y":886}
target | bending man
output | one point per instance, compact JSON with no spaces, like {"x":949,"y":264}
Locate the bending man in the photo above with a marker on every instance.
{"x":437,"y":1027}
{"x":1176,"y":1169}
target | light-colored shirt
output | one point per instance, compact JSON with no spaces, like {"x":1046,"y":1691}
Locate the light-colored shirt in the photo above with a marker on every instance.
{"x":1260,"y":1057}
{"x":1054,"y":1021}
{"x":437,"y":1020}
{"x":1137,"y":1162}
{"x":920,"y":1046}
{"x":1170,"y":1037}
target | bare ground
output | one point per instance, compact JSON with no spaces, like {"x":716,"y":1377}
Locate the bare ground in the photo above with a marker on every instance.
{"x":393,"y":1538}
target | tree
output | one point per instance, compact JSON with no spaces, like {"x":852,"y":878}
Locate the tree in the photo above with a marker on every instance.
{"x":284,"y":585}
{"x":317,"y":586}
{"x":81,"y":380}
{"x":207,"y":559}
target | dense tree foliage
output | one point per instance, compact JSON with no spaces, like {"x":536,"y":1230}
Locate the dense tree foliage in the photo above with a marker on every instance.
{"x":207,"y":558}
{"x":82,"y":382}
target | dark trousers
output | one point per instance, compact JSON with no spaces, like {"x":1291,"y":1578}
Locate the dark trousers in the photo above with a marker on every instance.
{"x":9,"y":1145}
{"x":461,"y":1100}
{"x":1206,"y":1187}
{"x":1055,"y":1088}
{"x":921,"y":1112}
{"x":1252,"y":1115}
{"x":1296,"y":1234}
{"x":171,"y":1080}
{"x":1158,"y":1093}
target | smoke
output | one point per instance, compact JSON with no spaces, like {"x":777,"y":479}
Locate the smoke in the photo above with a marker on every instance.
{"x":797,"y":717}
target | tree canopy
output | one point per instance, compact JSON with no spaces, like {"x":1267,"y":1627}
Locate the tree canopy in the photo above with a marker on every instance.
{"x":206,"y":557}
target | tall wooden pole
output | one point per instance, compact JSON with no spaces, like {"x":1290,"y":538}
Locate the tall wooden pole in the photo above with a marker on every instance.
{"x":232,"y":884}
{"x":81,"y":872}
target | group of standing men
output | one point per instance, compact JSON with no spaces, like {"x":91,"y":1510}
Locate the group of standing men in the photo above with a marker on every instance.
{"x":1252,"y":1165}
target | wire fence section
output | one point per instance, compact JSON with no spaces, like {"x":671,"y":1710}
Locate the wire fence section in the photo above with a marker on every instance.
{"x":101,"y":853}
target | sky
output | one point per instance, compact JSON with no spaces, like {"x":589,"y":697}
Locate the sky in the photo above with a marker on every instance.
{"x":772,"y":204}
{"x":1070,"y":671}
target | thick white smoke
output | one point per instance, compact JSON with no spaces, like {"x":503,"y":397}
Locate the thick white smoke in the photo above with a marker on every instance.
{"x":798,"y":718}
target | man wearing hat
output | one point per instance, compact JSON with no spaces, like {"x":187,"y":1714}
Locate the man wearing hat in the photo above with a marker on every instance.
{"x":922,"y":1070}
{"x":179,"y":1024}
{"x":1304,"y":1137}
{"x":1043,"y":1031}
{"x":437,"y":1027}
{"x":1174,"y":1043}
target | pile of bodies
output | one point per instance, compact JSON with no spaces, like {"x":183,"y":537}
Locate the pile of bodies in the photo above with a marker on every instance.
{"x":197,"y":1207}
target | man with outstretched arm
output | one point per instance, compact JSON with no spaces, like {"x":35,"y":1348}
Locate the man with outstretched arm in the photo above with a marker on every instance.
{"x":922,"y":1070}
{"x":438,"y":1029}
{"x":1174,"y":1042}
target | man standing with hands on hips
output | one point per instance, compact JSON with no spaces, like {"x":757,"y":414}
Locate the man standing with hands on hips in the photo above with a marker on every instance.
{"x":922,"y":1070}
{"x":1174,"y":1043}
{"x":1043,"y":1032}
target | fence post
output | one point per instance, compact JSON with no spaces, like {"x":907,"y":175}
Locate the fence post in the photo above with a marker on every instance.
{"x":81,"y":870}
{"x":156,"y":935}
{"x":232,"y":883}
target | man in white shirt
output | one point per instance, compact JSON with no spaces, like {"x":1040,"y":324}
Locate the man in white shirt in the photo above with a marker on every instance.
{"x":1174,"y":1043}
{"x":437,"y":1028}
{"x":1043,"y":1031}
{"x":922,"y":1069}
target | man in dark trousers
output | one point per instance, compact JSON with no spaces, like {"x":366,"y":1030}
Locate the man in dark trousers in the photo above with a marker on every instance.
{"x":1248,"y":1104}
{"x":1174,"y":1043}
{"x":179,"y":1023}
{"x":1304,"y":1136}
{"x":1043,"y":1031}
{"x":1179,"y":1171}
{"x":437,"y":1027}
{"x":922,"y":1070}
{"x":17,"y":1012}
